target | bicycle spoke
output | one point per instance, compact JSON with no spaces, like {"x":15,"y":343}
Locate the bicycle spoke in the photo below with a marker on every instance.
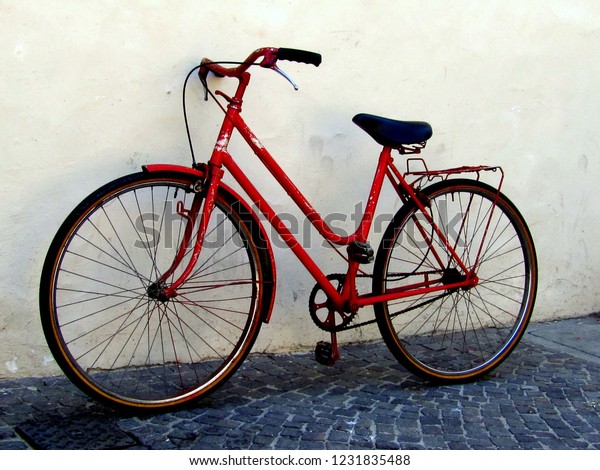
{"x":116,"y":233}
{"x":104,"y":252}
{"x":123,"y":326}
{"x":197,"y":316}
{"x":103,"y":309}
{"x":99,"y":295}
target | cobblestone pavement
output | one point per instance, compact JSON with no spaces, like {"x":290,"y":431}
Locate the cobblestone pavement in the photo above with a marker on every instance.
{"x":545,"y":396}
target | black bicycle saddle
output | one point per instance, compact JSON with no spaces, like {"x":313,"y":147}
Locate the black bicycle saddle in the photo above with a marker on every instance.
{"x":392,"y":133}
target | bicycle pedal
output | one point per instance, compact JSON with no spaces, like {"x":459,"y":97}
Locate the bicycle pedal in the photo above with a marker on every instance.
{"x":361,"y":252}
{"x":324,"y":353}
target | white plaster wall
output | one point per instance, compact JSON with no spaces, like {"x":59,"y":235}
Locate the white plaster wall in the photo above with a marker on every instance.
{"x":90,"y":91}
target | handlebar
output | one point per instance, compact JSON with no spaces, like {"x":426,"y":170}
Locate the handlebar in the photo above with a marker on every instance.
{"x":270,"y":56}
{"x":297,"y":55}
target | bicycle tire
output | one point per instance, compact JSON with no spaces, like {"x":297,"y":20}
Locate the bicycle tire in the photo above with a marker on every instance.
{"x":456,"y":335}
{"x":109,"y":334}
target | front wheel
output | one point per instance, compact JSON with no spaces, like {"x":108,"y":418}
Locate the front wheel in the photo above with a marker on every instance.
{"x":453,"y":335}
{"x":108,"y":328}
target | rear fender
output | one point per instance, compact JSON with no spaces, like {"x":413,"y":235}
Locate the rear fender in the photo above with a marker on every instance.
{"x":233,"y":196}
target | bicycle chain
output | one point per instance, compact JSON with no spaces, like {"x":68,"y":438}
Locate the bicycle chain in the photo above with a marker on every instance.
{"x":347,"y":319}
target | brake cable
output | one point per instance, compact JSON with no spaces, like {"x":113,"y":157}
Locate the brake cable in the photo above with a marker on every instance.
{"x":207,"y":92}
{"x":187,"y":126}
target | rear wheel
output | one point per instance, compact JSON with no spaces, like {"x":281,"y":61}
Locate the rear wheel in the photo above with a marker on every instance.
{"x":456,"y":334}
{"x":104,"y":320}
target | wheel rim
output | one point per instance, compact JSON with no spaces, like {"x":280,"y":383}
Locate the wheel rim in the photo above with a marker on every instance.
{"x":129,"y":346}
{"x":461,"y":333}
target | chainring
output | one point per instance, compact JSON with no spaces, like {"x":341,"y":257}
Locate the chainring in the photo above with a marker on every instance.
{"x":320,"y":309}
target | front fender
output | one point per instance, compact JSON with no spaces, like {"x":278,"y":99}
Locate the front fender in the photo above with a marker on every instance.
{"x":233,"y":195}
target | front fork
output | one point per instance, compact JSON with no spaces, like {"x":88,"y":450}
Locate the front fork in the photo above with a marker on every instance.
{"x":160,"y":289}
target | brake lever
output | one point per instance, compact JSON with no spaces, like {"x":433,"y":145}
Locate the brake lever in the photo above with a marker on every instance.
{"x":285,"y":75}
{"x":203,"y":80}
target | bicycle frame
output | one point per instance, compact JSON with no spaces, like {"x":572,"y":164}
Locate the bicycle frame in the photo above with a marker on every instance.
{"x":348,"y":299}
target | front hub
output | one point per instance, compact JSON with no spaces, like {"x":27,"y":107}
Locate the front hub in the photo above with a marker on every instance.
{"x":157,"y":291}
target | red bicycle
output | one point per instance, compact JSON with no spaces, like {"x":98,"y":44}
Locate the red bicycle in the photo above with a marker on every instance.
{"x":155,"y":287}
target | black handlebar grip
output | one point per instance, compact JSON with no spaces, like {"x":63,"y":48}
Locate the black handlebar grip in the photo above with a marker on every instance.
{"x":298,"y":55}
